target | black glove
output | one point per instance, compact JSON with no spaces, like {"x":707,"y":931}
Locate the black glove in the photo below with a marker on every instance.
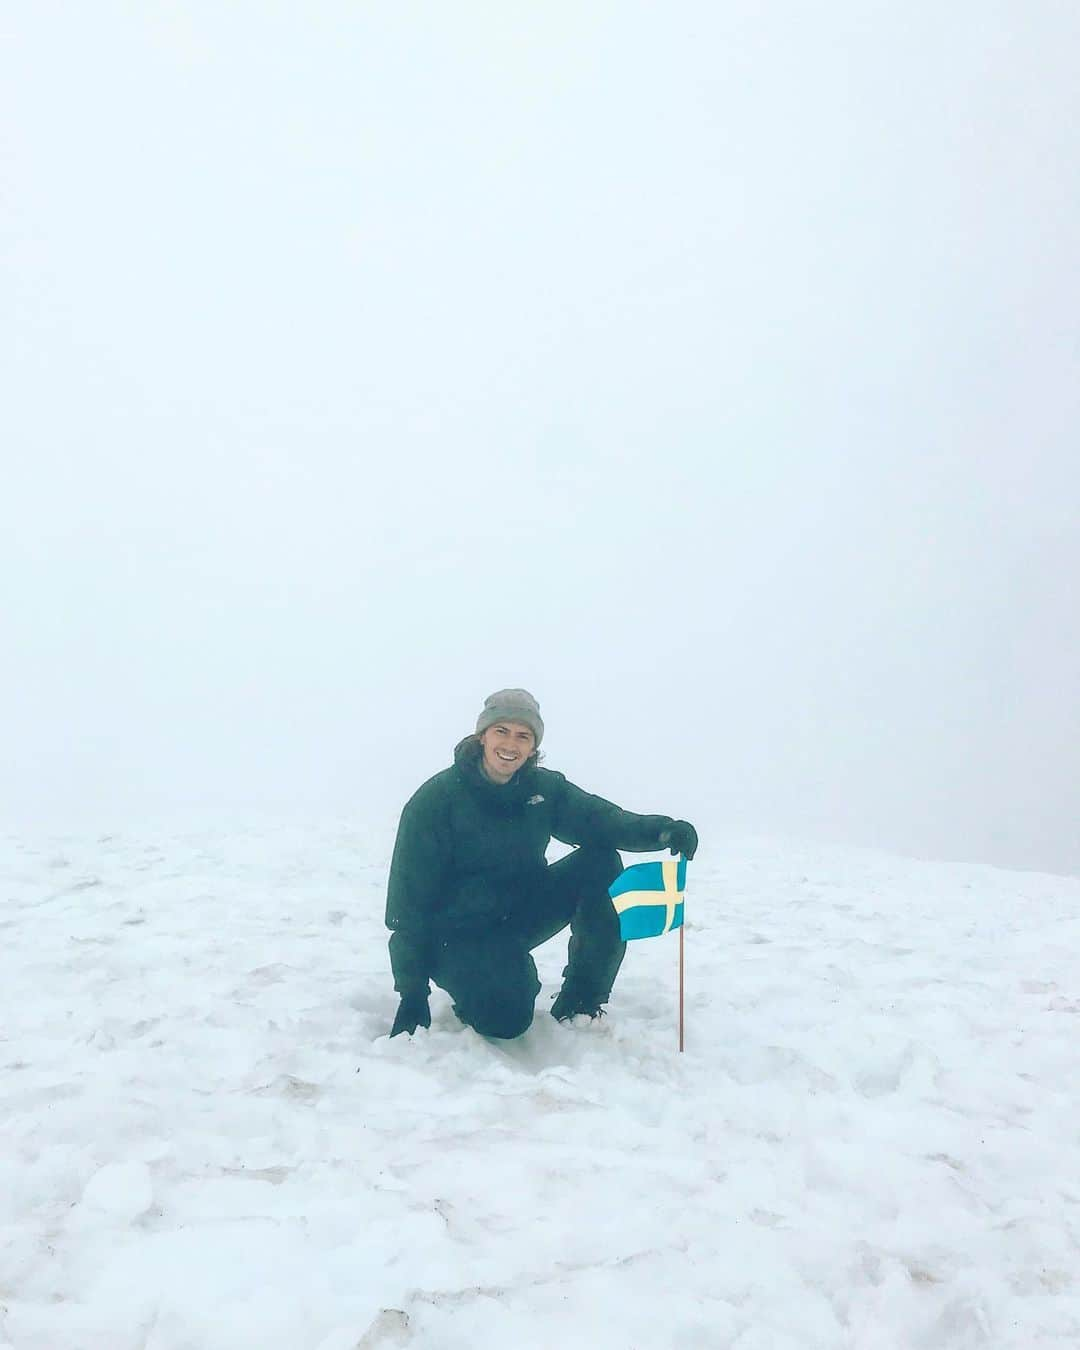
{"x":413,"y":1012}
{"x":681,"y":838}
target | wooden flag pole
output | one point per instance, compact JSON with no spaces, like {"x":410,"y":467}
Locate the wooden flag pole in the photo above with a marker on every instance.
{"x":682,"y":983}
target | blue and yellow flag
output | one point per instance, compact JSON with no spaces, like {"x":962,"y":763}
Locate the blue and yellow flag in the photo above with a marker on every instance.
{"x":648,"y":898}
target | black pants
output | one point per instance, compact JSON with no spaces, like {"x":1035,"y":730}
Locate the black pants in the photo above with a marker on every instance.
{"x":490,"y":975}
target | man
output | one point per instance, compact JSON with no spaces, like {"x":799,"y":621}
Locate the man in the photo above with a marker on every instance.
{"x":471,"y":894}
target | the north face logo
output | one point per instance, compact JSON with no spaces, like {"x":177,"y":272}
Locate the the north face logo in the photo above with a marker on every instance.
{"x":534,"y":801}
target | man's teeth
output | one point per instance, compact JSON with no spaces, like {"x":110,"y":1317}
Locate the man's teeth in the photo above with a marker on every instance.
{"x":509,"y":758}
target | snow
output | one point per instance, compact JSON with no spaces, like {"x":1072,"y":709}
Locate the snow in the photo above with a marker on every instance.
{"x":209,"y":1142}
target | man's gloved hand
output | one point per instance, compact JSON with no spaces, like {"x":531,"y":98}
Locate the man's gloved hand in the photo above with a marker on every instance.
{"x":681,"y":838}
{"x":413,"y":1011}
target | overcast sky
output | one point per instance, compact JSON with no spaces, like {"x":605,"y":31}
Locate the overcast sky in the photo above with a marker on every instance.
{"x":711,"y":370}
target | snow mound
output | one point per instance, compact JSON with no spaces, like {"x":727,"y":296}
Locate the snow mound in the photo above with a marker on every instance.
{"x":121,"y":1191}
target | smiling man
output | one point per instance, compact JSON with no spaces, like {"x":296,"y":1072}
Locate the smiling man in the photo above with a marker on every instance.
{"x":471,"y":893}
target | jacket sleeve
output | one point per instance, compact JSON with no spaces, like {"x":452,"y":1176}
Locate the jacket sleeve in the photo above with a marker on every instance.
{"x":582,"y":818}
{"x":416,"y":873}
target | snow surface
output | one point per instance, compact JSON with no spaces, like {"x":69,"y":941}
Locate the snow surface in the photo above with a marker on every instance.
{"x":209,"y":1143}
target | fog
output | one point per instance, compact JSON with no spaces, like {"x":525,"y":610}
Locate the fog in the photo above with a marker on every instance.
{"x":713,"y":371}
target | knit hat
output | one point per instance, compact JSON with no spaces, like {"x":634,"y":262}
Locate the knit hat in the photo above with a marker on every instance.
{"x":511,"y":705}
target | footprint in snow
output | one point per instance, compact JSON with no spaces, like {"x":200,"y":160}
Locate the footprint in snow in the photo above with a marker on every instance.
{"x":293,"y":1089}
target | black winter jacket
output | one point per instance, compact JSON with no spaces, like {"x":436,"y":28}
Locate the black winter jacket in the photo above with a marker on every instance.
{"x":465,"y":846}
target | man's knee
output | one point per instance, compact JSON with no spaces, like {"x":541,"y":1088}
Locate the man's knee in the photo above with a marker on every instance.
{"x":603,"y":863}
{"x":500,"y":1003}
{"x":501,"y":1022}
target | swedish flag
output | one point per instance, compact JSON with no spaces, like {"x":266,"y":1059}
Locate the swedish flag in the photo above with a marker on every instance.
{"x":648,"y":898}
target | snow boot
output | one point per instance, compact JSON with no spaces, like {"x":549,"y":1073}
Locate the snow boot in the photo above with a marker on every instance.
{"x":572,"y":1002}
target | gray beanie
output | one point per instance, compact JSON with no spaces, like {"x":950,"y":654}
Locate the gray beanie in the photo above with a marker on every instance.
{"x":511,"y":705}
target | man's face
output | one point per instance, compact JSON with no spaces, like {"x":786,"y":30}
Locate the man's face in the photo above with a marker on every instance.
{"x":506,"y":747}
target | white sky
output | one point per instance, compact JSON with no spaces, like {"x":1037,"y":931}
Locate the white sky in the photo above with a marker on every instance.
{"x":711,"y":370}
